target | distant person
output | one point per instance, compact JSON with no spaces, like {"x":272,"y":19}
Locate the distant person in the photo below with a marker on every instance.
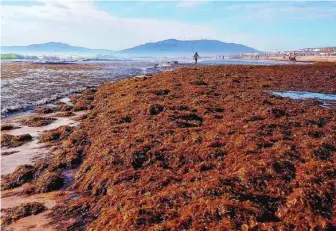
{"x":196,"y":57}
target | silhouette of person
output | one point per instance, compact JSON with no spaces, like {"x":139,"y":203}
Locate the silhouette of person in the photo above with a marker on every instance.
{"x":196,"y":57}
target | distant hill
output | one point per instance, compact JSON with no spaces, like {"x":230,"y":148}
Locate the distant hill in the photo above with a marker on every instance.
{"x":166,"y":47}
{"x":53,"y":48}
{"x":11,"y":56}
{"x":176,"y":47}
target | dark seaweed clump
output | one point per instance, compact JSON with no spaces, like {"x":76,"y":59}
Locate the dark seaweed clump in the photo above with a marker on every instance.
{"x":23,"y":210}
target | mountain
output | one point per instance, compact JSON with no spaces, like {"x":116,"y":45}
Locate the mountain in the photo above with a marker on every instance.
{"x":166,"y":47}
{"x":53,"y":48}
{"x":178,"y":47}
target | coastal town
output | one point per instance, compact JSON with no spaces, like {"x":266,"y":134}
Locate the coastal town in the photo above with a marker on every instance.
{"x":325,"y":54}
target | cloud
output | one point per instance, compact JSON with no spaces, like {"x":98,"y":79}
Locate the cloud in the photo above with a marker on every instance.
{"x":298,"y":10}
{"x":81,"y":23}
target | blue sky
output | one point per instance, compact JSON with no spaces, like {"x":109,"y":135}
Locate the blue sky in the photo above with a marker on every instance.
{"x":267,"y":26}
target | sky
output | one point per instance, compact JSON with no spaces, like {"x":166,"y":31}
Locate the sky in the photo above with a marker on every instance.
{"x":117,"y":25}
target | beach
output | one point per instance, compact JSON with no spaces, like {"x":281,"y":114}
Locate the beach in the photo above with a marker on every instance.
{"x":195,"y":148}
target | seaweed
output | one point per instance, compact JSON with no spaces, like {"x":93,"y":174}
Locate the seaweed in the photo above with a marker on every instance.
{"x":12,"y":141}
{"x":203,"y":149}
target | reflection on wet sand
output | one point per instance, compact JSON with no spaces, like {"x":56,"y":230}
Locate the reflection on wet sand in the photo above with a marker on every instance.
{"x":29,"y":152}
{"x":38,"y":222}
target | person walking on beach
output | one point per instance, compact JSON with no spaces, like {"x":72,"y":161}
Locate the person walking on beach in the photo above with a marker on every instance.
{"x":196,"y":57}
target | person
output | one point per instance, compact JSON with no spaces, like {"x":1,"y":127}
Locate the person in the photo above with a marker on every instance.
{"x":196,"y":57}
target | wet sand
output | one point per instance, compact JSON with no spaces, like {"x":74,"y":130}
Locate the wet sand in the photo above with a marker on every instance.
{"x":39,"y":222}
{"x":30,"y":153}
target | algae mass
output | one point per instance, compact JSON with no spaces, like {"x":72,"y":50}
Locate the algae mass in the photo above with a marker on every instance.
{"x":199,"y":148}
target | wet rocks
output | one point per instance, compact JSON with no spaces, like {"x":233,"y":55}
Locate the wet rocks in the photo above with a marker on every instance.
{"x":21,"y":211}
{"x":48,"y":182}
{"x":38,"y":121}
{"x":21,"y":175}
{"x":12,"y":141}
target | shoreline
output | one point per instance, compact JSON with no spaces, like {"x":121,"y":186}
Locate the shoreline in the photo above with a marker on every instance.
{"x":123,"y":153}
{"x":84,"y":66}
{"x":303,"y":59}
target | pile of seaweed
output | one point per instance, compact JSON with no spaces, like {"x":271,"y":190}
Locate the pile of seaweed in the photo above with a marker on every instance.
{"x":205,"y":148}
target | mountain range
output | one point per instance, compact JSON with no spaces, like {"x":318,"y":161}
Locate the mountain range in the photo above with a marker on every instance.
{"x":165,"y":47}
{"x":53,"y":48}
{"x":173,"y":46}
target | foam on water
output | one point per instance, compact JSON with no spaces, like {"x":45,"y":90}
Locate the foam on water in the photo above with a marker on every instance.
{"x":41,"y":85}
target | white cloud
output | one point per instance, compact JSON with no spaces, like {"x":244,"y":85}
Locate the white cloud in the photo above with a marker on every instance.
{"x":81,"y":23}
{"x":293,"y":10}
